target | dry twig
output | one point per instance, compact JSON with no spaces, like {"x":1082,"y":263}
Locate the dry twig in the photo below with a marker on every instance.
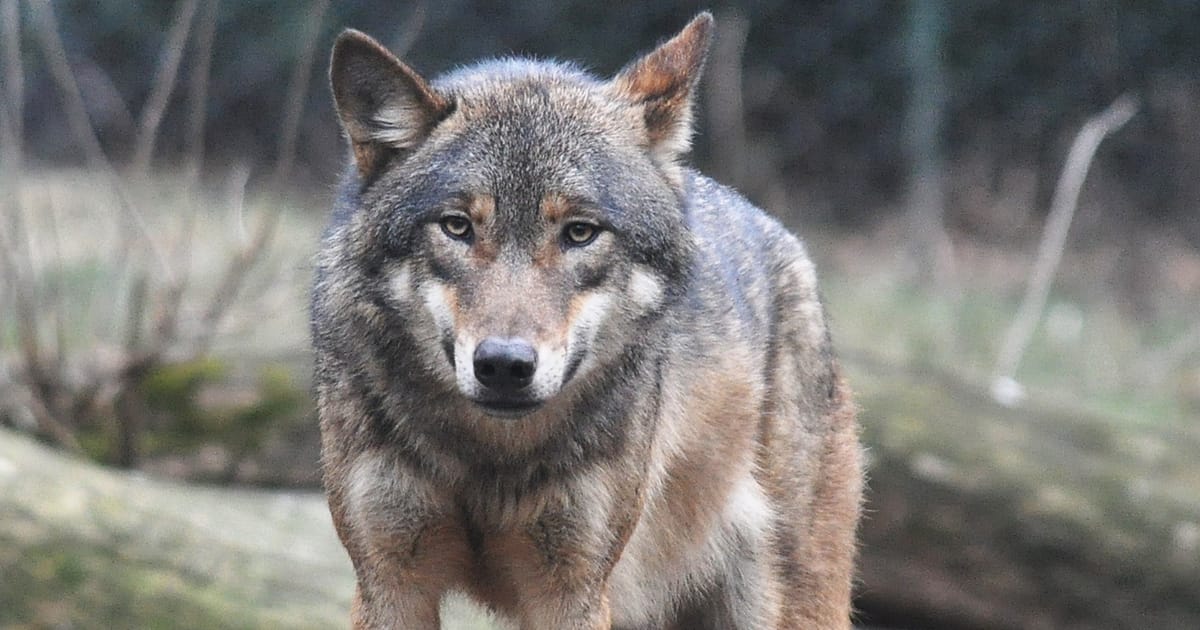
{"x":232,"y":280}
{"x":924,"y":117}
{"x":164,"y":83}
{"x":158,"y":328}
{"x":411,"y":31}
{"x":16,"y":259}
{"x":297,"y":92}
{"x":46,"y":29}
{"x":12,"y":103}
{"x":198,"y":88}
{"x":1005,"y":388}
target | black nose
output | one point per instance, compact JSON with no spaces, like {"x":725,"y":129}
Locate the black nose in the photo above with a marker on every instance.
{"x":505,"y":365}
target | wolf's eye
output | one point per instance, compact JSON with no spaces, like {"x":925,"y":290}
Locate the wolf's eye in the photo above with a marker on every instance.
{"x":580,"y":234}
{"x":456,"y":227}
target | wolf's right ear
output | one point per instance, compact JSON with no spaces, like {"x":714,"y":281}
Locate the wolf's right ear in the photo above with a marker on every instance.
{"x":663,"y":84}
{"x":383,"y":104}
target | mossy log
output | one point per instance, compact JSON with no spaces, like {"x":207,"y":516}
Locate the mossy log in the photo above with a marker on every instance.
{"x":1046,"y":516}
{"x":82,"y":546}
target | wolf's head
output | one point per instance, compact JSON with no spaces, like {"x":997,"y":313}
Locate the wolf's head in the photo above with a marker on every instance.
{"x":522,"y":219}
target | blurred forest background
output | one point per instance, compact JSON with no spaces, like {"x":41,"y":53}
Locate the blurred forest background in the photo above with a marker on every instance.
{"x":1003,"y":197}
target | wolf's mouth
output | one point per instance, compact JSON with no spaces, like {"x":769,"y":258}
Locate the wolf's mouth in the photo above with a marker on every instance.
{"x":508,"y":408}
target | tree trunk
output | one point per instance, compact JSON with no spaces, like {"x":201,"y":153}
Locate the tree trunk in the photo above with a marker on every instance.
{"x":924,"y":117}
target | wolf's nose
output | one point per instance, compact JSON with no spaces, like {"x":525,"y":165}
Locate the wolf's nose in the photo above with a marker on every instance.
{"x":505,"y":365}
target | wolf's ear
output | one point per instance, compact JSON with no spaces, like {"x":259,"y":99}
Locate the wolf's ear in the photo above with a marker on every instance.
{"x":383,"y":104}
{"x":663,"y":83}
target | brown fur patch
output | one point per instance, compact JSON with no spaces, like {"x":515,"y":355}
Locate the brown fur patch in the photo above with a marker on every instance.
{"x":367,"y":156}
{"x":671,"y":68}
{"x":481,"y":209}
{"x":412,"y":572}
{"x":556,"y":578}
{"x":560,"y":333}
{"x":485,"y":250}
{"x":452,"y":302}
{"x":828,"y":554}
{"x":555,"y":207}
{"x":548,"y":255}
{"x":699,"y":482}
{"x":663,"y":82}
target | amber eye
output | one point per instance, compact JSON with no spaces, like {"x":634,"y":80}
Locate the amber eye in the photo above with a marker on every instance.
{"x":456,"y":227}
{"x":580,"y":234}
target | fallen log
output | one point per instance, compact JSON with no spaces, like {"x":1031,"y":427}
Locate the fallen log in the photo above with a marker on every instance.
{"x":82,"y":546}
{"x":1045,"y":516}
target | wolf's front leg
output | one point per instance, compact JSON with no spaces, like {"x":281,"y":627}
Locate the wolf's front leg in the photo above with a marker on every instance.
{"x":406,"y":547}
{"x":570,"y":611}
{"x":393,"y":608}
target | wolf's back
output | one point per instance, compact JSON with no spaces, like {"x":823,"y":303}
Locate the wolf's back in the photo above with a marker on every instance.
{"x":754,"y":281}
{"x":743,"y":254}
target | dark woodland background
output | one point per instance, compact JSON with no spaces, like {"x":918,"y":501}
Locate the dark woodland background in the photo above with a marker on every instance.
{"x":1026,"y":350}
{"x":824,"y":86}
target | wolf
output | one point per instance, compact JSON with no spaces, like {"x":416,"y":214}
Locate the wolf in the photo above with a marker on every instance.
{"x":564,"y":374}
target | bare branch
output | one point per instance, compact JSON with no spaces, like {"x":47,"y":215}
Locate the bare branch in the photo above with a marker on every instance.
{"x":50,"y":425}
{"x":154,"y":326}
{"x":11,"y":141}
{"x":46,"y":29}
{"x":11,"y":117}
{"x":56,"y":289}
{"x":198,"y":88}
{"x":129,"y":413}
{"x":17,"y":262}
{"x":16,"y":268}
{"x":136,"y":315}
{"x":411,"y":30}
{"x":166,"y":326}
{"x":1054,"y":238}
{"x":232,"y":280}
{"x":13,"y":101}
{"x":164,"y":83}
{"x":297,"y":92}
{"x":105,"y":99}
{"x":924,"y":115}
{"x":56,"y":58}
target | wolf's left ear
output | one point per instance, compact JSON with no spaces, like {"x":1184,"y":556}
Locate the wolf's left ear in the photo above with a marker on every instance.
{"x":663,"y":83}
{"x":383,"y":104}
